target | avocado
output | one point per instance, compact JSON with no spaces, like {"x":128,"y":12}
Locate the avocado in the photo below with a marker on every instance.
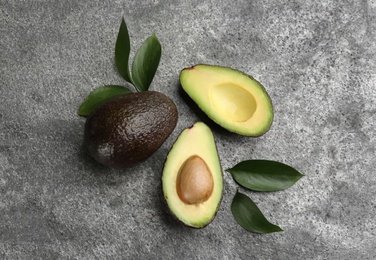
{"x":129,"y":128}
{"x":192,"y":177}
{"x":232,"y":99}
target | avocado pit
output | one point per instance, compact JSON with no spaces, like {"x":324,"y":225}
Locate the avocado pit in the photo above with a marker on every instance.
{"x":194,"y":181}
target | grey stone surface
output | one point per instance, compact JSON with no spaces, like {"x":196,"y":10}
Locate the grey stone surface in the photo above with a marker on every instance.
{"x":317,"y":60}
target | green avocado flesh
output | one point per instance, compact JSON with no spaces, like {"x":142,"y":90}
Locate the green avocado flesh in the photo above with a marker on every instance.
{"x":128,"y":129}
{"x":192,"y":177}
{"x":232,"y":99}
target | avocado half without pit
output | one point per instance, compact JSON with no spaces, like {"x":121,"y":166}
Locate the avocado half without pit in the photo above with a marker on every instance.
{"x":192,"y":177}
{"x":231,"y":98}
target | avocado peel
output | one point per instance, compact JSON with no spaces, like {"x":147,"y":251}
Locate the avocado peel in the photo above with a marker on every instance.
{"x":130,"y":128}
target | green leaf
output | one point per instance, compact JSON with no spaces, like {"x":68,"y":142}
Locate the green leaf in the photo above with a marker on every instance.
{"x":122,"y":50}
{"x":249,"y":216}
{"x":100,"y":96}
{"x":264,"y":175}
{"x":146,"y":62}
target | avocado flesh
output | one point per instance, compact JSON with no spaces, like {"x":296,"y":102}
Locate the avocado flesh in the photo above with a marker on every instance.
{"x":128,"y":129}
{"x":232,"y":99}
{"x":197,"y":141}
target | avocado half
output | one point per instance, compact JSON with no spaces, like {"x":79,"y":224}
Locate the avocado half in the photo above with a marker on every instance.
{"x":192,"y":177}
{"x":231,"y":98}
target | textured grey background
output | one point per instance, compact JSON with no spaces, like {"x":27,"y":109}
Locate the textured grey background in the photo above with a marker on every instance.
{"x":318,"y":62}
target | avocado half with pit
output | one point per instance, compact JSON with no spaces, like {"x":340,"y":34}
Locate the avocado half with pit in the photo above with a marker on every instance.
{"x":192,"y":177}
{"x":231,"y":98}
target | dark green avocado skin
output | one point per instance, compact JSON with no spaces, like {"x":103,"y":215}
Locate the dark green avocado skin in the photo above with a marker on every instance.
{"x":128,"y":129}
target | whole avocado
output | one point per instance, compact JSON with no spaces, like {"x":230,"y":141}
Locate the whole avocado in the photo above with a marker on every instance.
{"x":128,"y":129}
